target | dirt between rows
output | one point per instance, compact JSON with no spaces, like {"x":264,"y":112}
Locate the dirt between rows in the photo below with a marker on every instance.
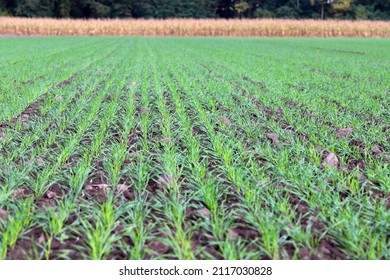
{"x":340,"y":51}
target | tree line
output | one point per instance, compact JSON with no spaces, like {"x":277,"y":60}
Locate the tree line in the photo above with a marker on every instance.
{"x":295,"y":9}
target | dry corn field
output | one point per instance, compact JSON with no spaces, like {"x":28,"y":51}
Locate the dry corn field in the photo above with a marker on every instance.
{"x":192,"y":27}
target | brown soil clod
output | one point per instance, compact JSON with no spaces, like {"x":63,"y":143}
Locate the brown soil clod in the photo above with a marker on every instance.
{"x":166,"y":140}
{"x":41,"y":238}
{"x":326,"y":250}
{"x":21,"y":193}
{"x":233,"y":235}
{"x":143,"y":110}
{"x":55,"y":244}
{"x":359,"y":144}
{"x":55,"y":190}
{"x":96,"y":187}
{"x":152,"y":187}
{"x":50,"y":194}
{"x":221,"y":108}
{"x":63,"y":83}
{"x":159,"y":247}
{"x":205,"y":241}
{"x":361,"y":177}
{"x":378,"y":195}
{"x":343,"y":132}
{"x":331,"y":160}
{"x":125,"y":191}
{"x":304,"y":254}
{"x":198,"y":239}
{"x":279,"y":112}
{"x":274,"y":138}
{"x":45,"y":202}
{"x":71,"y":219}
{"x":292,"y":103}
{"x":3,"y":215}
{"x":268,"y":111}
{"x":129,"y":195}
{"x":243,"y":232}
{"x":225,"y":120}
{"x":59,"y":98}
{"x":204,"y":212}
{"x":39,"y":161}
{"x":354,"y":163}
{"x":377,"y":151}
{"x":329,"y":251}
{"x":164,"y":181}
{"x":96,"y":190}
{"x":121,"y":188}
{"x":299,"y":204}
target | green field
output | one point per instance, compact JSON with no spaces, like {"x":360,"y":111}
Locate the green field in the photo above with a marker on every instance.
{"x":184,"y":148}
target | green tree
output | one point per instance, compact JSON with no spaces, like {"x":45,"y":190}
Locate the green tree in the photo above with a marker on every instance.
{"x":122,"y":8}
{"x":338,"y":7}
{"x":323,"y":4}
{"x":241,"y":7}
{"x":34,"y":8}
{"x":62,"y":8}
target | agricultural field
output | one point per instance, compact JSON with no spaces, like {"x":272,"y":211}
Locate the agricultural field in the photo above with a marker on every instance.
{"x":194,"y":148}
